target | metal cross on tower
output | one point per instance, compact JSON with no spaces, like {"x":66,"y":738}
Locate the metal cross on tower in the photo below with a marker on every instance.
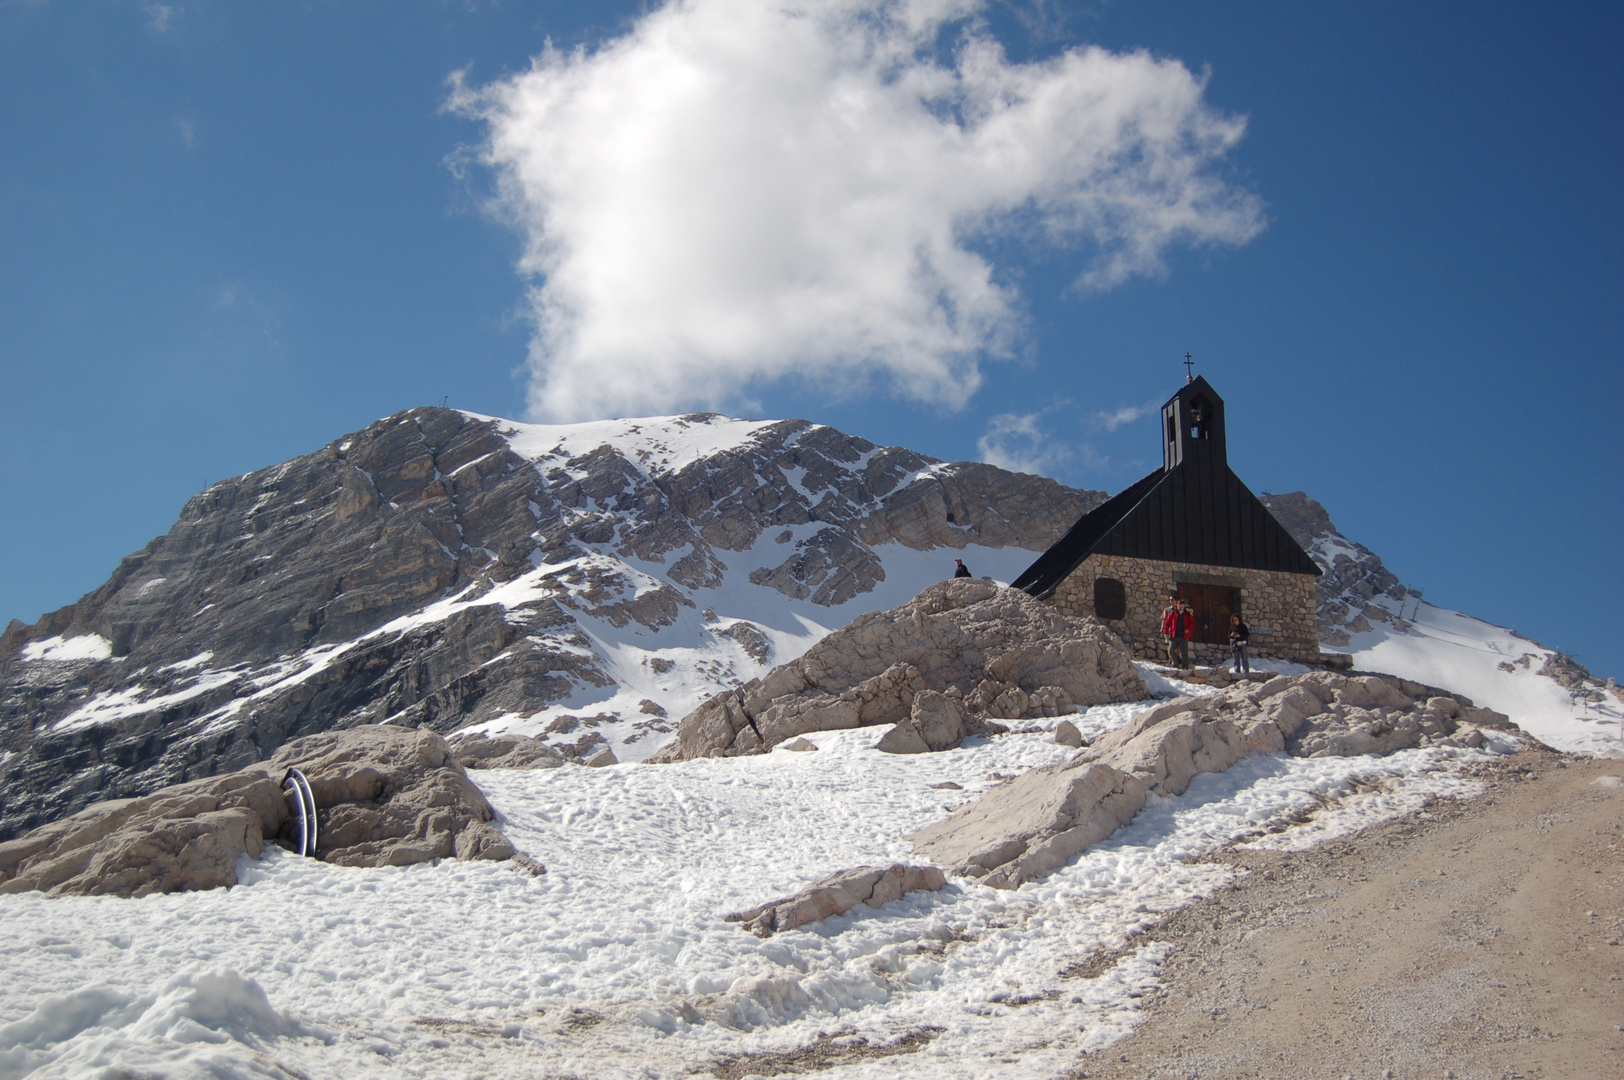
{"x":1189,"y":368}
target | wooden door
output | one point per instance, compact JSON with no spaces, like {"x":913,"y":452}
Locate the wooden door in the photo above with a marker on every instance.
{"x":1212,"y":606}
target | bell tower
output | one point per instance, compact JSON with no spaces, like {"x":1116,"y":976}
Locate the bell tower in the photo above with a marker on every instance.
{"x":1193,"y":426}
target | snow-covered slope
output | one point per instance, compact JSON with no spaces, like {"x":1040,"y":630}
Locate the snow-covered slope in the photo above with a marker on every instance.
{"x":618,"y":963}
{"x":1366,"y":612}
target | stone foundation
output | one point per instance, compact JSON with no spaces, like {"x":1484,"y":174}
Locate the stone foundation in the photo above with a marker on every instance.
{"x":1279,"y":608}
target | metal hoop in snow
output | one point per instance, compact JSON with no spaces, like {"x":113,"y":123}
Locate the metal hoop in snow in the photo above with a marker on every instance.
{"x":303,"y":802}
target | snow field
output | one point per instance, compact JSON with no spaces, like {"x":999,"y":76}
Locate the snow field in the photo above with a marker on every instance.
{"x":459,"y":969}
{"x":1464,"y":655}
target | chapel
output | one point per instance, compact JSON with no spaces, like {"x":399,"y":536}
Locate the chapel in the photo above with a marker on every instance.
{"x":1190,"y":528}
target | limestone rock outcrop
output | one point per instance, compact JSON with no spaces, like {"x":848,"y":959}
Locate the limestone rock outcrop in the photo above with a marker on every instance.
{"x":837,"y":894}
{"x":958,"y":653}
{"x":385,"y":796}
{"x":1031,"y":824}
{"x":388,"y":796}
{"x":935,"y":722}
{"x":183,"y":837}
{"x":505,"y":751}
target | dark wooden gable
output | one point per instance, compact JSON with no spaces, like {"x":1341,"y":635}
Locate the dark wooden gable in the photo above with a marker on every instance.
{"x":1193,"y":509}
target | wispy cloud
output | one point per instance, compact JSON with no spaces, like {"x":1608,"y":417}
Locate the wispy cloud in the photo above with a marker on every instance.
{"x":1127,"y":414}
{"x":1017,"y":442}
{"x":247,"y":312}
{"x":735,"y":192}
{"x":159,"y":16}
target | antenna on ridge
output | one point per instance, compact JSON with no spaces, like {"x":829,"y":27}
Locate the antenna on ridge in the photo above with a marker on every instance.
{"x":1189,"y":368}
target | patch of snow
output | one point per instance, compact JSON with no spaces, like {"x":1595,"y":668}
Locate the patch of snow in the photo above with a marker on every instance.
{"x":654,"y":445}
{"x":190,"y":662}
{"x":111,"y":705}
{"x":83,"y":647}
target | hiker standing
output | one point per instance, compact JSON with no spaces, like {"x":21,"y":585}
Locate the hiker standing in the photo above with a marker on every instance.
{"x":1183,"y":628}
{"x":1170,"y":615}
{"x":1239,"y":635}
{"x":1177,"y":623}
{"x":962,"y":571}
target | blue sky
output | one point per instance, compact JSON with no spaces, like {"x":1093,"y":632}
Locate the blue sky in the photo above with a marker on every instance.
{"x":1389,"y":233}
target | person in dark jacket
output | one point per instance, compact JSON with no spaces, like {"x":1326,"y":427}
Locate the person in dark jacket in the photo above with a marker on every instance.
{"x":1239,"y":635}
{"x":962,"y":571}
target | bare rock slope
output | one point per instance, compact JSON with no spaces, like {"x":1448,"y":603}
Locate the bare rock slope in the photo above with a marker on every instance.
{"x":1025,"y":827}
{"x":384,"y":796}
{"x":959,"y":653}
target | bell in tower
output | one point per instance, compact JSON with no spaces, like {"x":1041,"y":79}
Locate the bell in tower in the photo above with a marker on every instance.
{"x":1193,"y":426}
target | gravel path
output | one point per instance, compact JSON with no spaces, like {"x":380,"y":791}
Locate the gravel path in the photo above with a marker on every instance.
{"x":1481,"y":939}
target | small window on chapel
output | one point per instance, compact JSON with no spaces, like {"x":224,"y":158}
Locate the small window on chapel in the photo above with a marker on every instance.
{"x":1110,"y":598}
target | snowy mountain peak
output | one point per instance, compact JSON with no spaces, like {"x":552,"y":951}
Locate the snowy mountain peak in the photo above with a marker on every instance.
{"x":656,"y":445}
{"x":588,"y":583}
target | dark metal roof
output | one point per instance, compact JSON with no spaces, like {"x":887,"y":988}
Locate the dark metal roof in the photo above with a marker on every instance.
{"x":1053,"y":565}
{"x":1195,"y":510}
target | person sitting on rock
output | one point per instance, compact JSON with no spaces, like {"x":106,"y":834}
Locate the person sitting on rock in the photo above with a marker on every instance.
{"x":962,"y":570}
{"x":1239,"y":635}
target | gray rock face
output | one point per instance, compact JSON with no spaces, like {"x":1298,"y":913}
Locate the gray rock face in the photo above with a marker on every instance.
{"x":1353,"y":578}
{"x":318,"y":594}
{"x":505,"y":752}
{"x":1025,"y":827}
{"x":958,"y":652}
{"x":384,"y":797}
{"x":837,"y":894}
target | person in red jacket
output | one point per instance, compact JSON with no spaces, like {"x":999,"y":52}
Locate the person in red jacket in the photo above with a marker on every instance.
{"x":1182,"y":632}
{"x":1171,"y":626}
{"x":1178,"y":623}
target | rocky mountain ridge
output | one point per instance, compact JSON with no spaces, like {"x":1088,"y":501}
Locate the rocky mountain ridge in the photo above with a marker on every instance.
{"x":446,"y":570}
{"x":1356,"y":589}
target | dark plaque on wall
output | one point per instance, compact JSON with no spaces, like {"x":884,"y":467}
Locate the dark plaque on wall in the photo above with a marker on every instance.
{"x":1110,"y":598}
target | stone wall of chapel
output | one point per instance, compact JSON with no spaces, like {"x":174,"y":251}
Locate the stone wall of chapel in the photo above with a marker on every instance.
{"x":1279,"y":608}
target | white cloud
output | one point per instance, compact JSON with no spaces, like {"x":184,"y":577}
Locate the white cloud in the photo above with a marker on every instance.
{"x":159,"y":16}
{"x":1017,"y":442}
{"x":1127,"y":414}
{"x":739,"y":191}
